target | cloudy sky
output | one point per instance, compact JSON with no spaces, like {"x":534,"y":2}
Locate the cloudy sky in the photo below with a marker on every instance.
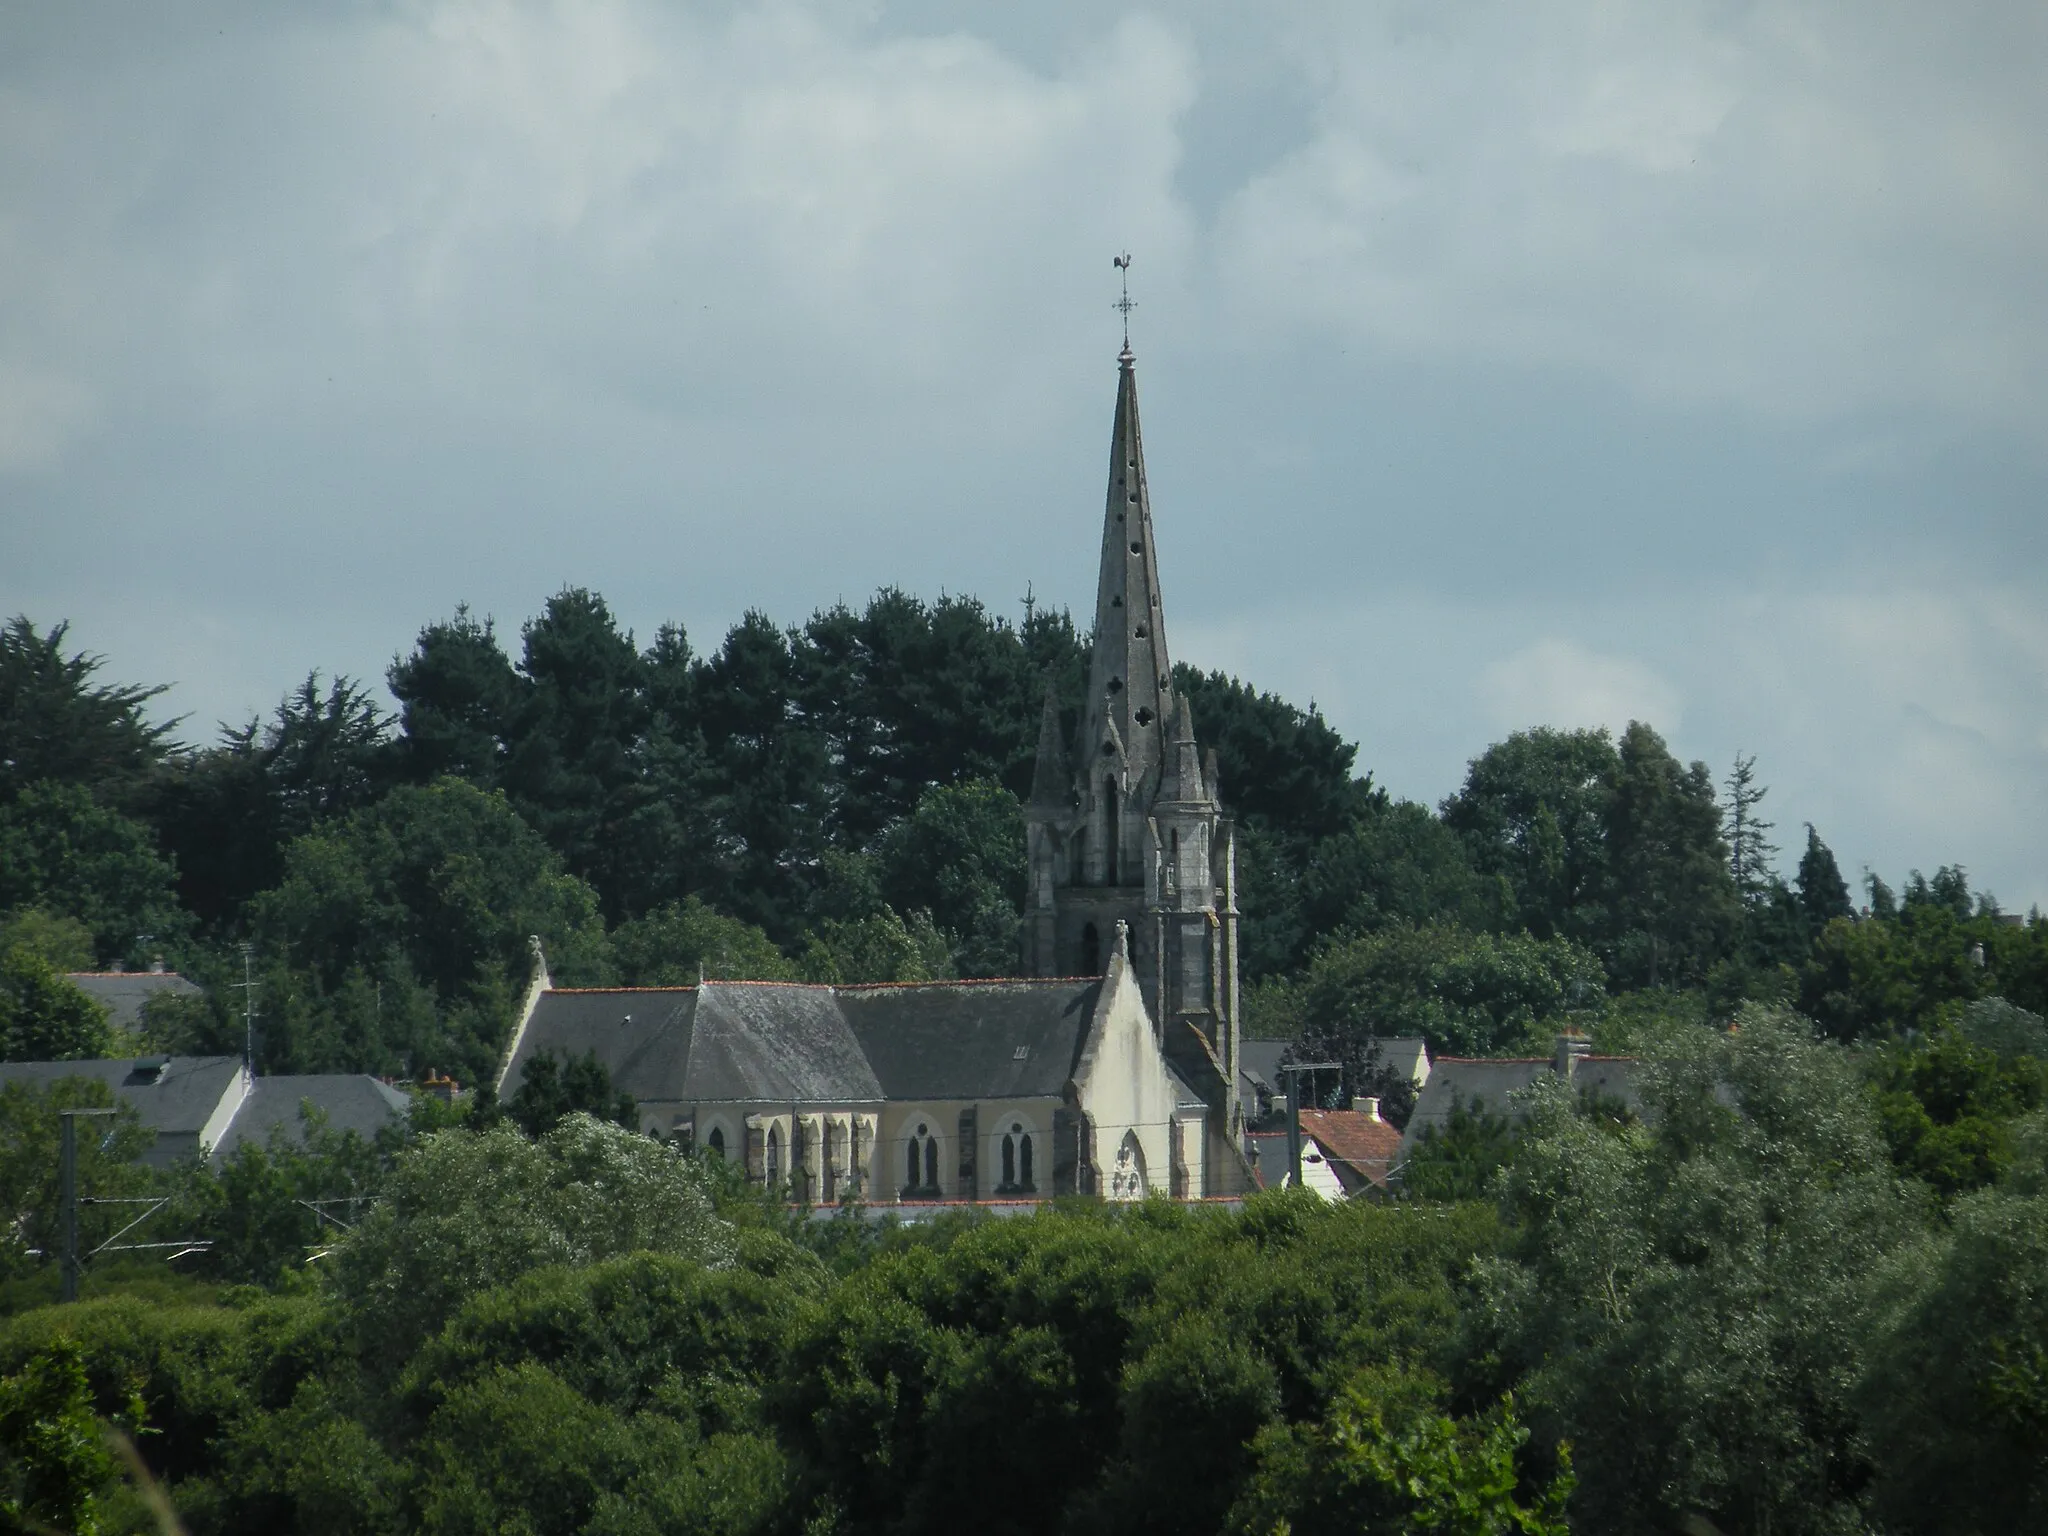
{"x":1501,"y":364}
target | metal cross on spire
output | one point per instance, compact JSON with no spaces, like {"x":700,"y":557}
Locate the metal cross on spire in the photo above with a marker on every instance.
{"x":1126,"y":304}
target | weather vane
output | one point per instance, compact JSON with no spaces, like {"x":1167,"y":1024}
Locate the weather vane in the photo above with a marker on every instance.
{"x":1126,"y":304}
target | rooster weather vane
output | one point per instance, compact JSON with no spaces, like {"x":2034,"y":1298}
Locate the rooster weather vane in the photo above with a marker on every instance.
{"x":1126,"y":304}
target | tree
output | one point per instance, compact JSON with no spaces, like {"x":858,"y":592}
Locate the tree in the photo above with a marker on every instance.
{"x":1947,"y":1106}
{"x":54,"y":1457}
{"x":572,"y":769}
{"x":417,"y":911}
{"x":1673,"y":908}
{"x":465,"y":1211}
{"x":458,"y":702}
{"x":1534,"y":812}
{"x":1956,"y":1394}
{"x":959,"y":855}
{"x":63,"y":943}
{"x":62,"y":851}
{"x":1750,"y":850}
{"x":1690,"y":1296}
{"x":58,"y":725}
{"x":1823,"y":893}
{"x":552,"y":1088}
{"x":679,"y":943}
{"x":1386,"y":1458}
{"x":44,"y":1016}
{"x":1468,"y":994}
{"x":31,"y":1128}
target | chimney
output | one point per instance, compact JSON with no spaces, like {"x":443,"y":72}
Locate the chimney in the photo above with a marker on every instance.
{"x":1571,"y":1050}
{"x":1370,"y":1108}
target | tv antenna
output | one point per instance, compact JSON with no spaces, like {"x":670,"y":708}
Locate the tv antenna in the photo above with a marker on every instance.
{"x":249,"y":986}
{"x":1126,"y":304}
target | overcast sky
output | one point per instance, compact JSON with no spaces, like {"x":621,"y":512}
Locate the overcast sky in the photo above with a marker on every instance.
{"x":1500,"y":364}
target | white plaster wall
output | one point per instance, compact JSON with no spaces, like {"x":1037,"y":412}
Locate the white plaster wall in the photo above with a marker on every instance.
{"x":1123,"y":1082}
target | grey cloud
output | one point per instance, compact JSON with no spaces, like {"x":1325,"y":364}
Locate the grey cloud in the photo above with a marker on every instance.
{"x":1649,"y":331}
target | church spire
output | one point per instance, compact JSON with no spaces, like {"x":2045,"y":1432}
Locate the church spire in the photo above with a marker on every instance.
{"x":1131,"y":676}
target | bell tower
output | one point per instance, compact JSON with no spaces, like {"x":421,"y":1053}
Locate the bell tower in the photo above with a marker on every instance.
{"x":1125,"y":823}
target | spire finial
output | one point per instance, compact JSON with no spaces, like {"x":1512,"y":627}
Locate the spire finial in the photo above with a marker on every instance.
{"x":1126,"y":304}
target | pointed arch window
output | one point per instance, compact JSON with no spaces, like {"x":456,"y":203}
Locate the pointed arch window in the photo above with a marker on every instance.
{"x":921,"y":1163}
{"x":716,"y":1140}
{"x":1016,"y":1158}
{"x":773,"y":1165}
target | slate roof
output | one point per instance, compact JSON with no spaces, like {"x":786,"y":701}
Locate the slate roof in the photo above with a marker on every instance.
{"x":1488,"y":1084}
{"x":178,"y":1096}
{"x":773,"y":1042}
{"x":960,"y":1040}
{"x":1258,"y":1061}
{"x":350,"y":1101}
{"x":176,"y":1101}
{"x":122,"y":993}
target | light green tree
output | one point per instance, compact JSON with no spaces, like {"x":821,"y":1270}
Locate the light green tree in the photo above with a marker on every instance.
{"x":464,"y":1211}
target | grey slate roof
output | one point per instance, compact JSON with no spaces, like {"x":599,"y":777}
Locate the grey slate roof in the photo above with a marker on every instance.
{"x":1258,"y":1062}
{"x":780,"y":1041}
{"x":1487,"y":1084}
{"x":122,"y":993}
{"x":175,"y":1102}
{"x":350,"y":1101}
{"x":178,"y":1099}
{"x":959,"y":1040}
{"x":776,"y":1042}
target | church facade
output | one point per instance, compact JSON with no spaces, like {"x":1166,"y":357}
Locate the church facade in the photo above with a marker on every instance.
{"x":1108,"y":1067}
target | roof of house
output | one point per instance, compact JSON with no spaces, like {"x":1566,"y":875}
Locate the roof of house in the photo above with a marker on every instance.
{"x":1485,"y":1085}
{"x":1365,"y":1143}
{"x":122,"y":993}
{"x":1258,"y":1061}
{"x":348,"y":1101}
{"x":172,"y":1095}
{"x":760,"y":1042}
{"x":179,"y":1097}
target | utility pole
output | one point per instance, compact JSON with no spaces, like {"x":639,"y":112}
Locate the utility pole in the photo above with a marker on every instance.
{"x":1292,"y":1072}
{"x":67,"y":1200}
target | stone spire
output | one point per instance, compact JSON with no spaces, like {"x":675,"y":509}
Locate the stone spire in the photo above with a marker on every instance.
{"x":1130,"y":681}
{"x":1051,"y":782}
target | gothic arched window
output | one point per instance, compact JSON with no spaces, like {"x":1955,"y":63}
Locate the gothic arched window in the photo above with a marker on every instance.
{"x":716,"y":1140}
{"x":921,"y":1162}
{"x":1015,"y":1155}
{"x":774,"y":1164}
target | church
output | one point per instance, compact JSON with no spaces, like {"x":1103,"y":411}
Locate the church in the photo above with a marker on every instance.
{"x":1107,"y":1067}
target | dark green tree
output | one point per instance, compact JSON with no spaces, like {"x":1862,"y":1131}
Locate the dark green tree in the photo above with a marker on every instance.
{"x":1534,"y":812}
{"x":551,"y":1087}
{"x":44,"y":1016}
{"x":573,"y":768}
{"x":418,"y":910}
{"x":58,"y":724}
{"x":1673,"y":908}
{"x":459,"y":699}
{"x":959,"y":857}
{"x":62,"y":851}
{"x":1823,"y":893}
